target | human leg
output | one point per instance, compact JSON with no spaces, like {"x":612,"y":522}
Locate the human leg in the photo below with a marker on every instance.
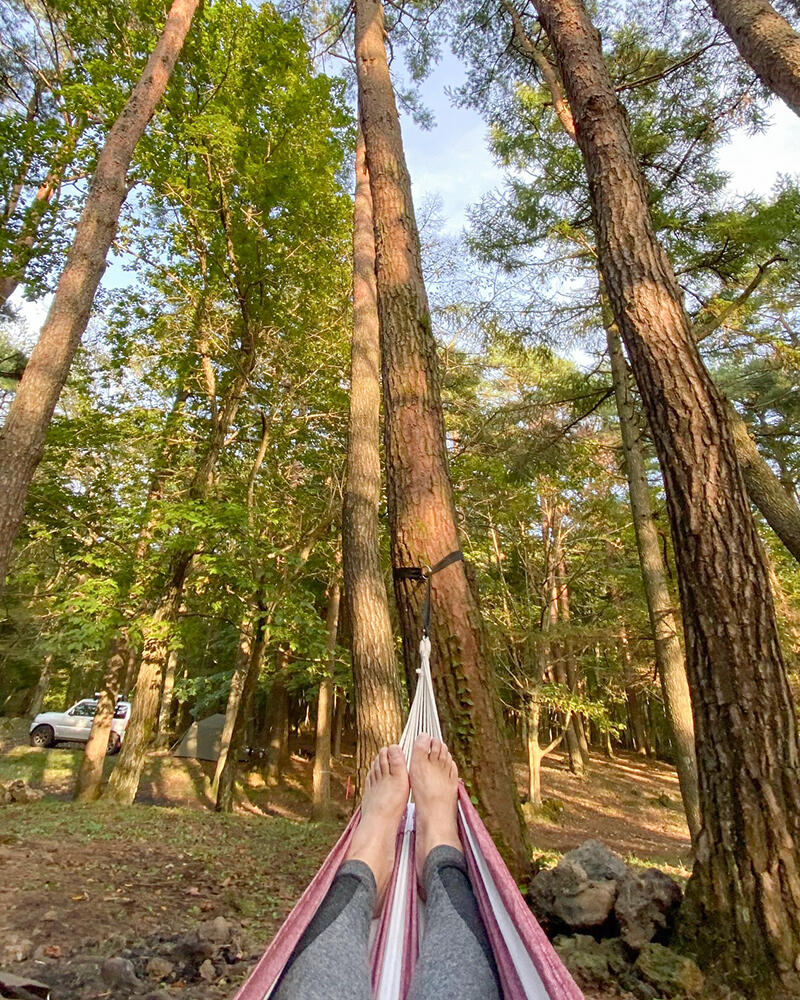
{"x":455,"y":957}
{"x":331,"y":959}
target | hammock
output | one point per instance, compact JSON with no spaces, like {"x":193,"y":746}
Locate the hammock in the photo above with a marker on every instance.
{"x":527,"y":964}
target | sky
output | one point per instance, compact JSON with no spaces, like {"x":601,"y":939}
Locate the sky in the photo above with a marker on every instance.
{"x":452,"y":162}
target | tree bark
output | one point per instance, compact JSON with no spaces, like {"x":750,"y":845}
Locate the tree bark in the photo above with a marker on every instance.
{"x":30,"y":413}
{"x":422,"y":513}
{"x":338,"y":724}
{"x":743,"y":899}
{"x":278,"y":719}
{"x":243,"y":661}
{"x":376,"y":681}
{"x":164,"y":730}
{"x":321,"y":802}
{"x":124,"y":781}
{"x":90,"y":775}
{"x":576,"y":724}
{"x":767,"y":42}
{"x":764,"y":488}
{"x":667,"y":646}
{"x":40,"y":690}
{"x":225,"y":776}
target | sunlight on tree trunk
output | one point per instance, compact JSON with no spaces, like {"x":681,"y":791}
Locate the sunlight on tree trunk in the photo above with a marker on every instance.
{"x":376,"y":680}
{"x":420,"y":495}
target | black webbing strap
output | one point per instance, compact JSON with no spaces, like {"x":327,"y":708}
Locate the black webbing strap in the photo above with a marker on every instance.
{"x":425,"y":573}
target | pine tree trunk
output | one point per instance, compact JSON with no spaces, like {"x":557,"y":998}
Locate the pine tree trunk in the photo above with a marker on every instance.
{"x":23,"y":436}
{"x":41,"y":687}
{"x":767,"y":42}
{"x":376,"y":680}
{"x":668,"y":652}
{"x":420,"y":496}
{"x":90,"y":775}
{"x":321,"y":802}
{"x":769,"y":494}
{"x":743,"y":899}
{"x":765,"y":490}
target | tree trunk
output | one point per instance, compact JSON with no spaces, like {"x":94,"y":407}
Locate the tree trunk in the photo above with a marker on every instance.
{"x":243,"y":661}
{"x":422,"y":513}
{"x":23,"y":436}
{"x":668,"y":652}
{"x":743,"y":899}
{"x":338,"y":724}
{"x":124,"y":781}
{"x":164,"y":730}
{"x":534,"y":754}
{"x":41,"y":687}
{"x":767,"y":42}
{"x":90,"y":775}
{"x":579,"y":733}
{"x":225,"y":776}
{"x":770,"y":495}
{"x":278,"y":720}
{"x":376,"y":680}
{"x":551,"y":538}
{"x":765,"y":489}
{"x":321,"y":807}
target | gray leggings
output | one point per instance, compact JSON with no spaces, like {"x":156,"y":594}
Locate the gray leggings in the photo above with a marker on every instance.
{"x":331,"y":960}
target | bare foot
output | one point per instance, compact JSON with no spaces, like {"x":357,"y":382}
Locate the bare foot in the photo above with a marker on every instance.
{"x":382,"y":807}
{"x":434,"y":784}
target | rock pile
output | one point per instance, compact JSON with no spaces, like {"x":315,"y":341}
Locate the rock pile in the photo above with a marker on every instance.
{"x":611,"y":923}
{"x":203,"y":956}
{"x":18,"y":791}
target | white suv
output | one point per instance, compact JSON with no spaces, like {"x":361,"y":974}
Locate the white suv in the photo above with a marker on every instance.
{"x":74,"y":725}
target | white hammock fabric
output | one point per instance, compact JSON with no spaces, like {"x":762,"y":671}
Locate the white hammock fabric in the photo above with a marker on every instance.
{"x":527,"y":964}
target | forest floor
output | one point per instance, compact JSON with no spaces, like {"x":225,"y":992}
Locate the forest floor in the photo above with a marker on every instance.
{"x":81,"y":883}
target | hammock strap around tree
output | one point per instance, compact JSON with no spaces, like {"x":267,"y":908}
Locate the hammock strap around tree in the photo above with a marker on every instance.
{"x":425,"y":573}
{"x":527,"y":964}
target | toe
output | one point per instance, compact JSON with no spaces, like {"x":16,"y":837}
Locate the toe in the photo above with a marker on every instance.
{"x":383,"y":761}
{"x":436,"y":749}
{"x":397,"y":762}
{"x":422,"y":743}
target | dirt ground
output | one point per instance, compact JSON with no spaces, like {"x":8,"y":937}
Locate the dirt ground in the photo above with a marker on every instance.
{"x":81,"y":883}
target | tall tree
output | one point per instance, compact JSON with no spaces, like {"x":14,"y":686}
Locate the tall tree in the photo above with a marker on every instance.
{"x":421,"y":505}
{"x":25,"y":429}
{"x":375,"y":675}
{"x":743,"y":898}
{"x":668,"y":652}
{"x":767,"y":42}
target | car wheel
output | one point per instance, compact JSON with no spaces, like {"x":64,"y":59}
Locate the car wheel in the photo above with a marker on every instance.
{"x":114,"y":744}
{"x":43,"y":736}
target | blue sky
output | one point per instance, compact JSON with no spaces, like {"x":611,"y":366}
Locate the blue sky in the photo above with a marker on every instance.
{"x":453,"y":161}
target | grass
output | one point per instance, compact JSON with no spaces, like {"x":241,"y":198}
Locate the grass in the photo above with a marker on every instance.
{"x":178,"y":862}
